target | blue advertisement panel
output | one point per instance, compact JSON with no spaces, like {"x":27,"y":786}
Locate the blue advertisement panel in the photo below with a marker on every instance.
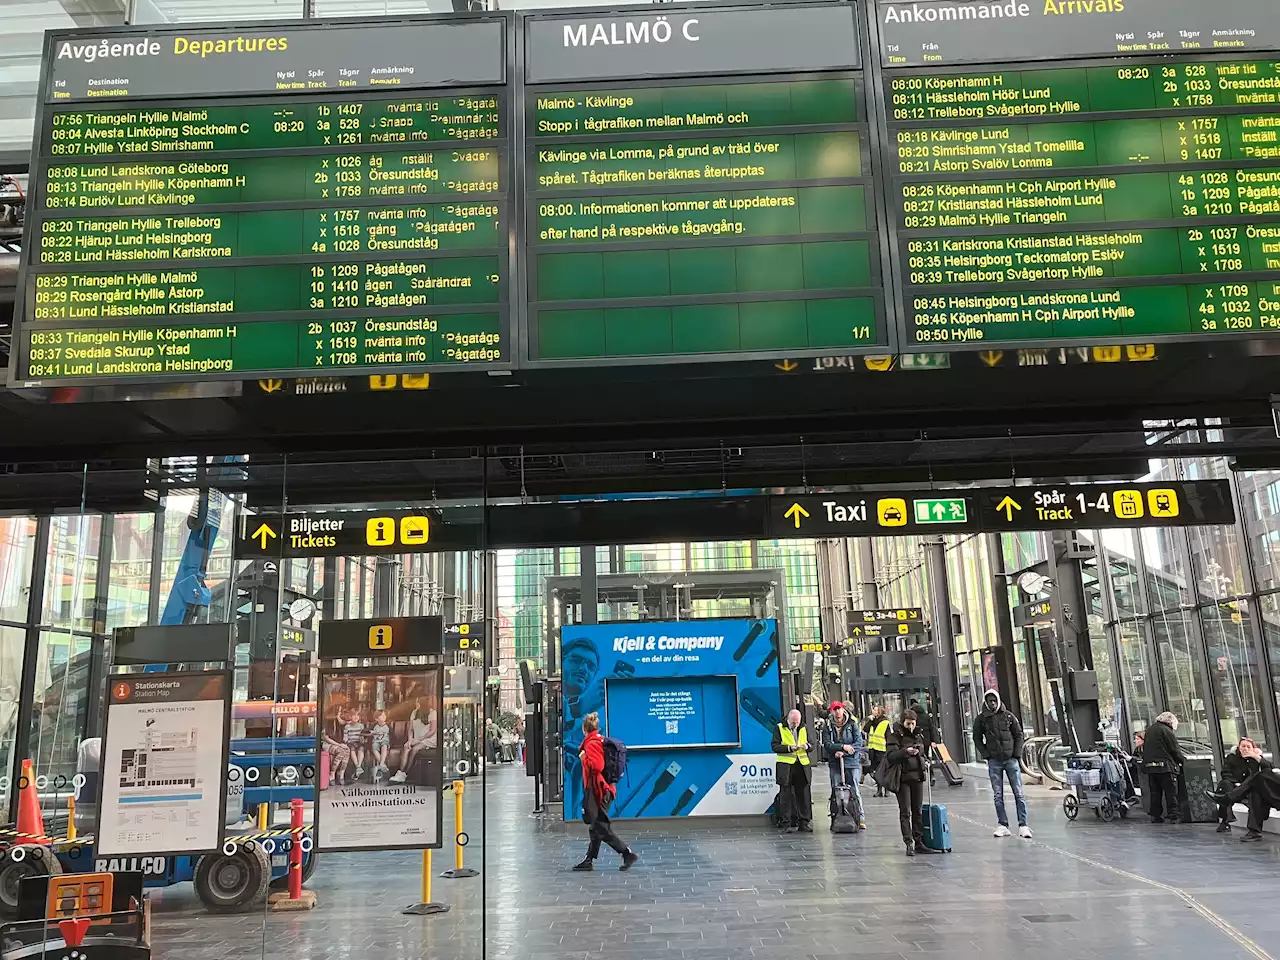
{"x":695,"y":702}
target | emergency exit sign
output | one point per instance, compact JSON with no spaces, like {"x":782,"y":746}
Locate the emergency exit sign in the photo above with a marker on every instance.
{"x":943,"y":510}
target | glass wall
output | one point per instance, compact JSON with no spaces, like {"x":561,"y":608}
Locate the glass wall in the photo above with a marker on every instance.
{"x":1186,"y":620}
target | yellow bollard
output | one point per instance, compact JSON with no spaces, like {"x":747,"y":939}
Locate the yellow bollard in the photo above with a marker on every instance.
{"x":427,"y":907}
{"x":460,"y":839}
{"x":264,"y":816}
{"x":71,"y":818}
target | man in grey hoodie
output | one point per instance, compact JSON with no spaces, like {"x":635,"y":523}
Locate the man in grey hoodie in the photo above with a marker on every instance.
{"x":998,"y":737}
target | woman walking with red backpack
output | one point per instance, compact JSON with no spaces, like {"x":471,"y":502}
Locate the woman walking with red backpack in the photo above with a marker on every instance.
{"x":597,"y":794}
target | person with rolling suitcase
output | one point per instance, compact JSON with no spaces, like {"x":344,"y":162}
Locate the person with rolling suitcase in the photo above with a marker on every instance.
{"x":841,"y":744}
{"x":905,"y":763}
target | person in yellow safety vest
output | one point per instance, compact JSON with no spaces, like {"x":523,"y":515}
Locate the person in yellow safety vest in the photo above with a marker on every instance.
{"x":875,"y":728}
{"x":793,"y":774}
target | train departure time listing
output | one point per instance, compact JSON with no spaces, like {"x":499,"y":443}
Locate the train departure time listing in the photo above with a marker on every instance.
{"x":1136,"y":197}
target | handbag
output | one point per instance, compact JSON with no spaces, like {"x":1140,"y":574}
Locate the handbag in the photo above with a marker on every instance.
{"x":888,"y":776}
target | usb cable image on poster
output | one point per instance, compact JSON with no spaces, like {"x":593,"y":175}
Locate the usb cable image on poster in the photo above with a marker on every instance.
{"x":689,"y":794}
{"x":757,"y":628}
{"x":667,"y":778}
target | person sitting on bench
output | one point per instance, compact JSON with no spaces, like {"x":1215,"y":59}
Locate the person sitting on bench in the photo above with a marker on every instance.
{"x":1259,"y":789}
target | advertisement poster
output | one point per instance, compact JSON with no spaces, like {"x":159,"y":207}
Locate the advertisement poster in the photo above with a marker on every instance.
{"x":696,"y":703}
{"x":380,"y":730}
{"x":164,"y":757}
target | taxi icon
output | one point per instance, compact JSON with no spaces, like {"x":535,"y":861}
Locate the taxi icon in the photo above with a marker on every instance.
{"x":892,"y":515}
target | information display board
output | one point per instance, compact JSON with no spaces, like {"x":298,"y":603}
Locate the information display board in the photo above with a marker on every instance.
{"x":164,"y":759}
{"x":1136,"y":196}
{"x":687,"y":217}
{"x":329,"y":221}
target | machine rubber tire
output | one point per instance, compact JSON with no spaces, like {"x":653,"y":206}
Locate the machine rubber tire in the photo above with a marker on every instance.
{"x":1071,"y":806}
{"x":38,"y":862}
{"x":231,"y":884}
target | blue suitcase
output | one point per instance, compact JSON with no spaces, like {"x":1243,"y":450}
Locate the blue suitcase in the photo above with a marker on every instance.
{"x":937,"y":828}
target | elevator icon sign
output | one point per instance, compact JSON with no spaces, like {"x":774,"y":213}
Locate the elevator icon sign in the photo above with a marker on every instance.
{"x":380,"y":635}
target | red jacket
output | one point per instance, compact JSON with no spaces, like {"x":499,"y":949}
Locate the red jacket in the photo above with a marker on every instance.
{"x":593,"y":768}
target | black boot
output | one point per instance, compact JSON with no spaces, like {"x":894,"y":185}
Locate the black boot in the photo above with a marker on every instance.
{"x":911,"y":849}
{"x":806,"y":826}
{"x":629,"y":859}
{"x":1224,"y":828}
{"x":921,"y":848}
{"x":1251,"y":836}
{"x":586,"y":864}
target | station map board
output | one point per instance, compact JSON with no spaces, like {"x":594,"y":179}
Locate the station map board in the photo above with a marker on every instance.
{"x":702,"y":183}
{"x":345,"y":211}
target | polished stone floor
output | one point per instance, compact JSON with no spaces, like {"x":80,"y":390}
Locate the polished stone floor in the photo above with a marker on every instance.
{"x":704,"y":892}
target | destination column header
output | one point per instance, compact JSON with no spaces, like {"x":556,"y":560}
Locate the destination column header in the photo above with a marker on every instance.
{"x":285,"y":59}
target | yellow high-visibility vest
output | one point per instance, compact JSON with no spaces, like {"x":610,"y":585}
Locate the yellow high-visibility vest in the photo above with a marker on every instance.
{"x":875,"y":739}
{"x":788,"y":740}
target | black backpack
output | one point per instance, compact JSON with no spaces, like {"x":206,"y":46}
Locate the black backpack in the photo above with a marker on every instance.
{"x":615,"y":760}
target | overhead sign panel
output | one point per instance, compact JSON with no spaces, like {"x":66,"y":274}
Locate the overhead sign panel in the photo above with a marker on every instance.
{"x":334,"y":533}
{"x":691,"y":42}
{"x":280,"y":60}
{"x":1099,"y":505}
{"x":1127,"y":198}
{"x":991,"y":509}
{"x":684,"y":218}
{"x":929,"y":32}
{"x":306,"y":199}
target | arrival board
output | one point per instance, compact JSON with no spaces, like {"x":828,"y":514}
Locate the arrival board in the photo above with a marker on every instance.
{"x":1136,"y":197}
{"x":699,"y":219}
{"x":338,"y":230}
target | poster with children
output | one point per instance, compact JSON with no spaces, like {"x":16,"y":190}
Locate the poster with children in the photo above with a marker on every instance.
{"x":380,"y":759}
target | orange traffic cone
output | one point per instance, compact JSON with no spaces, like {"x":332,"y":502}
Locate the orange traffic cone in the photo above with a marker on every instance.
{"x":30,"y":822}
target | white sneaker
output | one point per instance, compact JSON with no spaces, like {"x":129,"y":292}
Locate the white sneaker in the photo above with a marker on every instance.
{"x":1001,"y":831}
{"x":1025,"y":832}
{"x":400,"y":777}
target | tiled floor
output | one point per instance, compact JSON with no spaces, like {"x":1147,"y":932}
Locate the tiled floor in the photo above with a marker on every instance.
{"x":707,"y":891}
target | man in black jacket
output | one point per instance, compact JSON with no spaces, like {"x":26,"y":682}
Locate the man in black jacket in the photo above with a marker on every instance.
{"x":998,"y":738}
{"x":1162,"y":758}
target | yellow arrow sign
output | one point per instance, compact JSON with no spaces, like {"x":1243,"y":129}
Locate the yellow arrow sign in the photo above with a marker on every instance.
{"x":795,"y":512}
{"x":786,"y":366}
{"x":262,"y":533}
{"x":1008,"y":505}
{"x":991,"y":358}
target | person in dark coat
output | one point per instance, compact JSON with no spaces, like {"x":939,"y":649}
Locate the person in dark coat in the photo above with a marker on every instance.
{"x":908,"y":752}
{"x":1162,"y":758}
{"x":1258,"y":786}
{"x":1237,"y":767}
{"x":928,"y":729}
{"x":998,"y":738}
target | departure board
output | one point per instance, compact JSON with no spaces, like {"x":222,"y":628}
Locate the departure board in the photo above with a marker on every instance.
{"x":691,"y":217}
{"x":323,"y":223}
{"x":1136,"y":197}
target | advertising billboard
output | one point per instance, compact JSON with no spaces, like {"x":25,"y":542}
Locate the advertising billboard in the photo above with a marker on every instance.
{"x":695,"y":702}
{"x":381,"y":768}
